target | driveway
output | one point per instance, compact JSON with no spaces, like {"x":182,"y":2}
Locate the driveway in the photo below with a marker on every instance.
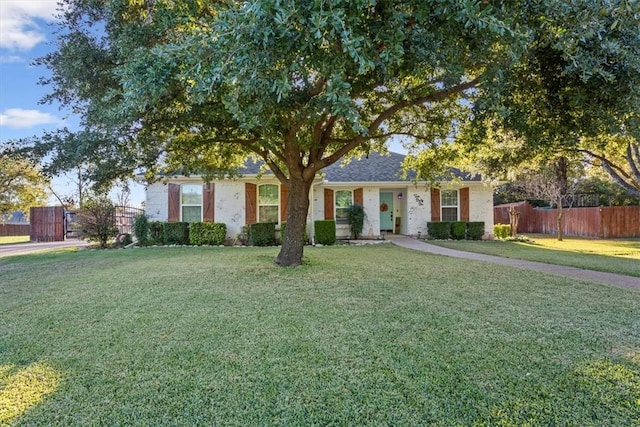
{"x":27,"y":248}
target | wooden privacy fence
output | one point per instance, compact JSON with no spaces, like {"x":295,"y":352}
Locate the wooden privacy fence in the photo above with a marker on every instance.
{"x":47,"y":224}
{"x":599,"y":222}
{"x":14,"y":230}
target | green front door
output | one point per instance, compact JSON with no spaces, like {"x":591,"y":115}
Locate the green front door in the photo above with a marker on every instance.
{"x":386,"y":211}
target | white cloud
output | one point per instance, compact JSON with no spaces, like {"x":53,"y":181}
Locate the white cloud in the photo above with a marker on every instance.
{"x":19,"y":118}
{"x":19,"y":28}
{"x":10,"y":59}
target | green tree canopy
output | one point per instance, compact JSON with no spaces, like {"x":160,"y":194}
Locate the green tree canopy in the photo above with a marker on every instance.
{"x":197,"y":85}
{"x":22,"y":186}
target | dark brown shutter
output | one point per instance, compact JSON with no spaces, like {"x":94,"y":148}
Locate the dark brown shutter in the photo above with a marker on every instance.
{"x":208,"y":202}
{"x":250,"y":198}
{"x":174,"y":203}
{"x":464,"y":204}
{"x":328,"y":203}
{"x":358,"y":197}
{"x":284,"y":202}
{"x":435,"y":204}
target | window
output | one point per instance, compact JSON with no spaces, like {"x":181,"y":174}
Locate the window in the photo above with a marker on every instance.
{"x":191,"y":202}
{"x":344,"y":199}
{"x":268,"y":203}
{"x":449,"y":205}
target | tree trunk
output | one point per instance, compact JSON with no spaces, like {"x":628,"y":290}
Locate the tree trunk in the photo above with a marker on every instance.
{"x":559,"y":223}
{"x":293,"y":242}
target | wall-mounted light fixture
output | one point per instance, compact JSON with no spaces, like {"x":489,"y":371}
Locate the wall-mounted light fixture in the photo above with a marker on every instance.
{"x":399,"y":196}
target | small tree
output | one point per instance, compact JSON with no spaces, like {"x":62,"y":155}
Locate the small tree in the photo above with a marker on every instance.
{"x":355,"y":218}
{"x":96,"y":220}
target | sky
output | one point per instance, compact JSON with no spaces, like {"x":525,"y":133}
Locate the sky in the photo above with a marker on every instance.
{"x":26,"y":32}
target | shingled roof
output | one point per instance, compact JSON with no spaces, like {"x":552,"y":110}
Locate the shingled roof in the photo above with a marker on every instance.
{"x":374,"y":168}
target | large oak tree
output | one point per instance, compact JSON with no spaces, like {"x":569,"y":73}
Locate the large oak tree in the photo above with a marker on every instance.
{"x":199,"y":85}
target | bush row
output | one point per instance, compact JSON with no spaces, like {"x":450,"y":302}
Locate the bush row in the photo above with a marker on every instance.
{"x":178,"y":233}
{"x":458,"y":230}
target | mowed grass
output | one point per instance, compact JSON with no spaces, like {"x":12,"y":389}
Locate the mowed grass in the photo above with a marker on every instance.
{"x":372,"y":335}
{"x":5,"y":240}
{"x":613,"y":256}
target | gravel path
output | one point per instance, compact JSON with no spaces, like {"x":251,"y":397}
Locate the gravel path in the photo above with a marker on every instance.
{"x":612,"y":279}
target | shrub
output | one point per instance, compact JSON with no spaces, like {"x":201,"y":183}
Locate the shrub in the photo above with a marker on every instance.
{"x":325,"y":232}
{"x":501,"y":231}
{"x":97,"y":221}
{"x":283,"y":226}
{"x":124,"y":239}
{"x":175,"y":233}
{"x":262,"y":234}
{"x":156,"y":233}
{"x":141,"y":229}
{"x":439,"y":230}
{"x":458,"y":230}
{"x":475,"y":230}
{"x":355,"y":218}
{"x":207,"y":233}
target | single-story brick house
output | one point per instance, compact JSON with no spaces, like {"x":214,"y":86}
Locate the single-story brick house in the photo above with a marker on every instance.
{"x":392,"y":204}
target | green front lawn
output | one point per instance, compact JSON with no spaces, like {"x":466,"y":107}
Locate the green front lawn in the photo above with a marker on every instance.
{"x":613,"y":256}
{"x":374,"y":335}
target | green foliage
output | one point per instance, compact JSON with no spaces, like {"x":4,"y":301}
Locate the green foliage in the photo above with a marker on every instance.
{"x":283,"y":226}
{"x":475,"y":230}
{"x":207,"y":233}
{"x":96,"y":220}
{"x":501,"y":231}
{"x":355,"y":219}
{"x":156,"y":233}
{"x":175,"y":233}
{"x":22,"y":186}
{"x":262,"y":234}
{"x":458,"y":230}
{"x":325,"y":232}
{"x":439,"y":230}
{"x":124,"y":239}
{"x":141,"y":229}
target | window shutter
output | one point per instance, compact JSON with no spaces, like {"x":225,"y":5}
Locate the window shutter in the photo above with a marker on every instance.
{"x":174,"y":203}
{"x":464,"y":204}
{"x":435,"y":204}
{"x":328,"y":204}
{"x":208,"y":202}
{"x":284,"y":202}
{"x":250,"y":199}
{"x":358,"y":197}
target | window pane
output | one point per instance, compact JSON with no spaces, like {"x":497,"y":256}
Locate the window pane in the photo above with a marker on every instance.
{"x":191,"y":214}
{"x":449,"y":198}
{"x":268,"y":214}
{"x":341,"y":215}
{"x":449,"y":214}
{"x":268,"y":195}
{"x":191,"y":194}
{"x":343,"y":199}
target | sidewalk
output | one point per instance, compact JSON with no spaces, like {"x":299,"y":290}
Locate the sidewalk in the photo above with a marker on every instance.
{"x":612,"y":279}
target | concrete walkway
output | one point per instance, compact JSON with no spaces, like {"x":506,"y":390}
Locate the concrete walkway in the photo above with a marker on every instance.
{"x":612,"y":279}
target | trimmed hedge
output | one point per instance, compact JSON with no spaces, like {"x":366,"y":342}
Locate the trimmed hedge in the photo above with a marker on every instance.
{"x":475,"y":230}
{"x":439,"y":230}
{"x":207,"y":233}
{"x":156,"y":233}
{"x":176,"y":233}
{"x":262,"y":234}
{"x":325,"y":232}
{"x":141,"y":229}
{"x":458,"y":230}
{"x":502,"y":231}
